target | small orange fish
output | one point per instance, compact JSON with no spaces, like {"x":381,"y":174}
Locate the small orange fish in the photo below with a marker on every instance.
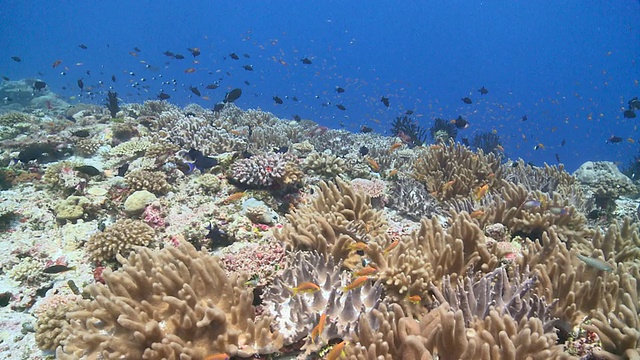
{"x":393,"y":173}
{"x":395,"y":146}
{"x":365,"y":271}
{"x":133,"y":53}
{"x":359,"y":281}
{"x":373,"y":164}
{"x":56,"y":63}
{"x":500,"y":148}
{"x":414,"y":299}
{"x":448,"y":185}
{"x":435,"y":147}
{"x":481,"y":191}
{"x":220,"y":356}
{"x":391,"y":246}
{"x":358,"y":246}
{"x":317,"y":330}
{"x":630,"y":140}
{"x":337,"y":351}
{"x":476,"y":214}
{"x":233,"y":197}
{"x":190,"y":70}
{"x":306,"y":287}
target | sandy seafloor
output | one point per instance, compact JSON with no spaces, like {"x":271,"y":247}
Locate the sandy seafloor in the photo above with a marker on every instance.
{"x":34,"y":232}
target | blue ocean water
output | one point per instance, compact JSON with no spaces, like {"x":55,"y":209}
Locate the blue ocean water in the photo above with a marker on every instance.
{"x":569,"y":66}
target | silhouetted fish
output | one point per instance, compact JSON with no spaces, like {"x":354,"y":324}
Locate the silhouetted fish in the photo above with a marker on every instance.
{"x":39,"y":85}
{"x":82,"y":46}
{"x":248,"y":67}
{"x":200,"y":161}
{"x":614,"y":139}
{"x":341,"y":107}
{"x":365,"y":129}
{"x":385,"y":101}
{"x":213,"y":86}
{"x":483,"y":91}
{"x":524,"y":118}
{"x":163,"y":96}
{"x":194,"y":90}
{"x":339,"y":90}
{"x":277,"y":100}
{"x":179,"y":56}
{"x":194,"y":51}
{"x":629,"y":114}
{"x":460,"y":123}
{"x":634,"y":104}
{"x":169,"y":54}
{"x":219,"y":106}
{"x":467,"y":100}
{"x":234,"y":56}
{"x":363,"y":150}
{"x":88,"y":170}
{"x":16,"y":58}
{"x":306,"y":61}
{"x":233,"y":95}
{"x":409,"y":112}
{"x":80,"y":84}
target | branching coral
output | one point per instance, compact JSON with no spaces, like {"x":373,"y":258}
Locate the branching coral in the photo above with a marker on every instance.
{"x":265,"y":171}
{"x":454,"y":171}
{"x":152,"y":181}
{"x":176,"y":303}
{"x":325,"y":165}
{"x":119,"y":239}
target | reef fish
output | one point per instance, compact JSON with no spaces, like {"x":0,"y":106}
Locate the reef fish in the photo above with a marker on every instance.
{"x":234,"y":56}
{"x":56,"y":269}
{"x":194,"y":90}
{"x":317,"y":330}
{"x":385,"y":101}
{"x":88,"y":170}
{"x":467,"y":100}
{"x":200,"y":161}
{"x":194,"y":51}
{"x":306,"y":287}
{"x":614,"y":139}
{"x":358,"y":282}
{"x":483,"y":91}
{"x":233,"y":95}
{"x":277,"y":99}
{"x":595,"y":263}
{"x":306,"y":61}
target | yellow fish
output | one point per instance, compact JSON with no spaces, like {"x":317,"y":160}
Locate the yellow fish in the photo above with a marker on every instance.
{"x":359,"y":281}
{"x":317,"y":330}
{"x":306,"y":287}
{"x":337,"y":351}
{"x":481,"y":191}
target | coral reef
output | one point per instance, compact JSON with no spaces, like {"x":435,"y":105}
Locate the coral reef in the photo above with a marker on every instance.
{"x":176,"y":303}
{"x":443,"y":131}
{"x":407,"y":129}
{"x":265,"y":171}
{"x":119,"y":239}
{"x":152,"y":181}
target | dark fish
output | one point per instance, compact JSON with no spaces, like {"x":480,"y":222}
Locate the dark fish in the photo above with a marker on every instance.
{"x":247,"y":82}
{"x":87,"y":170}
{"x":82,"y":46}
{"x":194,"y":51}
{"x":122,"y":170}
{"x":219,"y":106}
{"x":163,"y":96}
{"x":56,"y":269}
{"x":341,"y":107}
{"x":557,"y":157}
{"x":634,"y":104}
{"x":306,"y":61}
{"x":6,"y":78}
{"x":246,"y":154}
{"x":233,"y":95}
{"x":136,"y":49}
{"x":524,"y":118}
{"x":169,"y":54}
{"x":217,"y":236}
{"x":248,"y":67}
{"x":213,"y":86}
{"x":83,"y":133}
{"x":483,"y":91}
{"x":113,"y":78}
{"x":614,"y":139}
{"x":365,"y":129}
{"x":281,"y":149}
{"x":200,"y":161}
{"x":234,"y":56}
{"x":467,"y":100}
{"x":80,"y":84}
{"x":409,"y":112}
{"x":563,"y":142}
{"x":277,"y":100}
{"x":297,"y":117}
{"x":179,"y":56}
{"x":385,"y":101}
{"x":16,"y":58}
{"x":363,"y":150}
{"x":465,"y":141}
{"x":246,"y":55}
{"x":194,"y":90}
{"x":460,"y":123}
{"x":629,"y":114}
{"x":339,"y":90}
{"x":39,"y":85}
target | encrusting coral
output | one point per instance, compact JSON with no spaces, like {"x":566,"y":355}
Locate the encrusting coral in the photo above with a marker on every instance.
{"x":119,"y":239}
{"x":176,"y":303}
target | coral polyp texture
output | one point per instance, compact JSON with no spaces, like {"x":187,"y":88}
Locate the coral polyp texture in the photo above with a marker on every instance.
{"x":191,"y":234}
{"x":176,"y":303}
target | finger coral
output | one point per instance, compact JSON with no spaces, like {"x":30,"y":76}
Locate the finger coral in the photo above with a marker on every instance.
{"x":176,"y":303}
{"x":119,"y":239}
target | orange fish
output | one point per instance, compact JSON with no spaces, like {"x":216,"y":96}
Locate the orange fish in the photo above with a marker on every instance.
{"x":500,"y":148}
{"x":414,"y":299}
{"x":190,"y":70}
{"x":337,"y":351}
{"x":359,"y":281}
{"x":56,"y":63}
{"x":233,"y":197}
{"x":395,"y":146}
{"x":373,"y":164}
{"x":393,"y":173}
{"x":391,"y":246}
{"x":448,"y":185}
{"x":358,"y":246}
{"x":435,"y":147}
{"x":317,"y":330}
{"x":476,"y":214}
{"x":306,"y":287}
{"x":481,"y":191}
{"x":220,"y":356}
{"x":366,"y":271}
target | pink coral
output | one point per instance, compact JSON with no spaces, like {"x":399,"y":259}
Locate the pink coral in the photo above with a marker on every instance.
{"x":262,"y":260}
{"x":153,"y":215}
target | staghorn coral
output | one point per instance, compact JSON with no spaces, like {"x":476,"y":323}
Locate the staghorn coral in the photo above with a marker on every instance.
{"x":454,"y":171}
{"x":336,"y":218}
{"x":264,"y":171}
{"x":176,"y":303}
{"x":152,"y":181}
{"x":119,"y":239}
